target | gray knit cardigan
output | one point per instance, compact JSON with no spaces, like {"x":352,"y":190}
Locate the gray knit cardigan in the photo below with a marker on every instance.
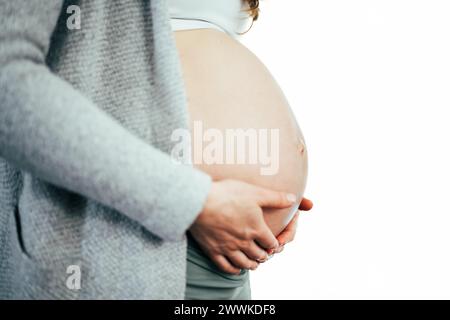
{"x":87,"y":187}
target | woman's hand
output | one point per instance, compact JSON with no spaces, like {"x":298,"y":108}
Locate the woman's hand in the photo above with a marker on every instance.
{"x":288,"y":234}
{"x":231,"y":229}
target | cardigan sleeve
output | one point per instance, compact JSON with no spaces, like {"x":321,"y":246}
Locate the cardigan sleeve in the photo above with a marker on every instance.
{"x":52,"y":131}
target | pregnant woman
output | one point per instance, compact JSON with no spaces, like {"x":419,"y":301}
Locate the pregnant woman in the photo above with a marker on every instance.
{"x":232,"y":96}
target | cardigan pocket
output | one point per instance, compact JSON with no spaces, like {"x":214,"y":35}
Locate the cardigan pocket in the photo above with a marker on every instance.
{"x":29,"y":279}
{"x":18,"y":237}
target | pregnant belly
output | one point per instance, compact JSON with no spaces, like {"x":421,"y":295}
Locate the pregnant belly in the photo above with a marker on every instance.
{"x":241,"y":124}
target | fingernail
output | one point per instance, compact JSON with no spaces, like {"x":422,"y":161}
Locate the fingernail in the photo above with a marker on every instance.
{"x":266,"y":257}
{"x":291,"y":197}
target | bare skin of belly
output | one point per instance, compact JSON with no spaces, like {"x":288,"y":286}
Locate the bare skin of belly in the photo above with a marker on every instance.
{"x":228,"y":88}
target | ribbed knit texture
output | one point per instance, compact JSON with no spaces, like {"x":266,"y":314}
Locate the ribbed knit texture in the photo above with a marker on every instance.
{"x":85,"y":179}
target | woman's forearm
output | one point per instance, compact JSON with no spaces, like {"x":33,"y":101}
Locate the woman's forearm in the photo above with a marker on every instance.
{"x":51,"y":130}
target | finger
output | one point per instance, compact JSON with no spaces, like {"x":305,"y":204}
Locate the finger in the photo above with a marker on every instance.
{"x":223,"y":264}
{"x":240,"y":260}
{"x":255,"y":252}
{"x":264,"y":260}
{"x":274,"y":199}
{"x":265,"y":237}
{"x":280,"y":249}
{"x":288,"y":234}
{"x":306,"y":205}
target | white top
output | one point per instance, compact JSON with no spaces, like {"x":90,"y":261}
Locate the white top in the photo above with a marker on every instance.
{"x":229,"y":16}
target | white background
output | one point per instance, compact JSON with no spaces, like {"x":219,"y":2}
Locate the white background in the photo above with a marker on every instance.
{"x":369,"y":82}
